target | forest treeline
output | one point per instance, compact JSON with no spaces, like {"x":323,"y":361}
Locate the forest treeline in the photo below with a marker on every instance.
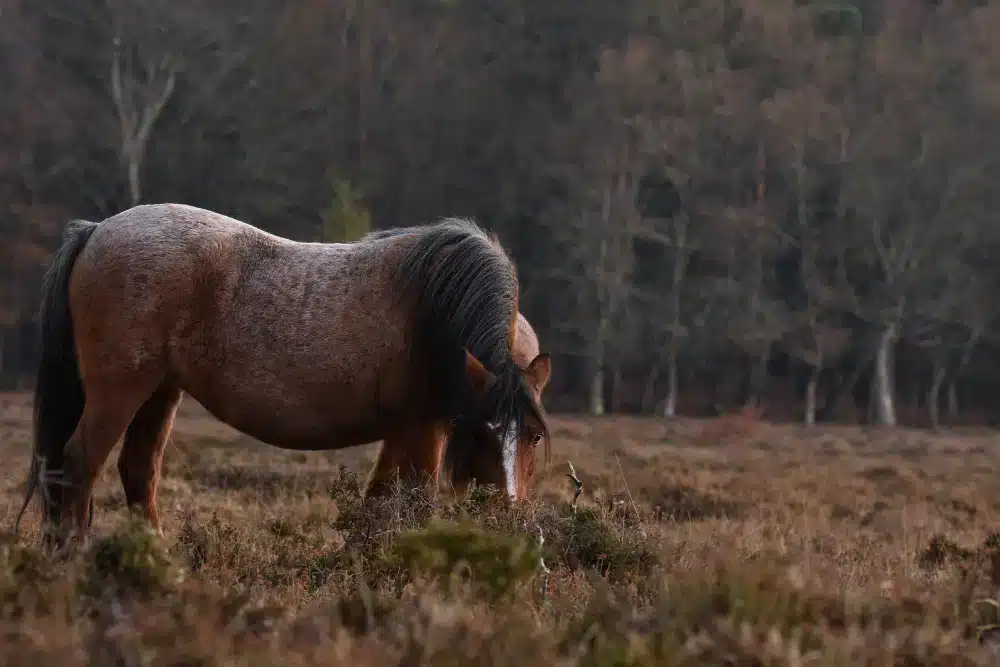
{"x":782,"y":203}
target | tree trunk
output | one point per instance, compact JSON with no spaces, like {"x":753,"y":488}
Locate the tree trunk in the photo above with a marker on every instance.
{"x":596,"y":397}
{"x":597,"y":392}
{"x":811,"y":387}
{"x":649,"y":390}
{"x":967,"y":350}
{"x":882,"y":380}
{"x":134,"y":185}
{"x":934,"y":396}
{"x":615,"y":400}
{"x":670,"y":402}
{"x":870,"y":408}
{"x":730,"y":389}
{"x":599,"y":358}
{"x":364,"y":84}
{"x":844,"y":389}
{"x":952,"y":401}
{"x":758,"y":378}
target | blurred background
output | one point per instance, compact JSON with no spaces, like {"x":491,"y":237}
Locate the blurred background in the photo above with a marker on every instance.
{"x":786,"y":206}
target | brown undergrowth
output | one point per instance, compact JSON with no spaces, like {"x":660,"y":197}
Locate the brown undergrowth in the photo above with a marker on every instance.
{"x":828,"y":547}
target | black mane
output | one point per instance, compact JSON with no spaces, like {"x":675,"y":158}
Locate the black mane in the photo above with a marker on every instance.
{"x":465,"y":290}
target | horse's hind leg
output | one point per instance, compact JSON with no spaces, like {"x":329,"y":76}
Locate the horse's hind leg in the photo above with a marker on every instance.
{"x":412,"y":455}
{"x":106,"y":415}
{"x":142,"y":452}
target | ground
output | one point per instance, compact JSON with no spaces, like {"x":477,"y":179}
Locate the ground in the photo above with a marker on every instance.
{"x":694,"y":542}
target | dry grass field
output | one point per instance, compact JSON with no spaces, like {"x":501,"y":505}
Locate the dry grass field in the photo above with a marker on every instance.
{"x":724,"y":542}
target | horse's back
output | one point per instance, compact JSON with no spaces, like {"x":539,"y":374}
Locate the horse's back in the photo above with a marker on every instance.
{"x":163,"y":229}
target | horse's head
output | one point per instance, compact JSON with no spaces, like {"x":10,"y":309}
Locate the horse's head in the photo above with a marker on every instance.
{"x":502,"y":438}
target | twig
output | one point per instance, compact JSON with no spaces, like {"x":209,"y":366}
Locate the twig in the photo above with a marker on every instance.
{"x":541,"y":563}
{"x":577,"y":481}
{"x":625,"y":482}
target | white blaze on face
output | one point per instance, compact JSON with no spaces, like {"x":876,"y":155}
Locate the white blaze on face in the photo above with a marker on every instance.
{"x":509,"y":456}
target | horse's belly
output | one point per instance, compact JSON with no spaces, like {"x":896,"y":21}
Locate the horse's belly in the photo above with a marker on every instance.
{"x":288,"y":419}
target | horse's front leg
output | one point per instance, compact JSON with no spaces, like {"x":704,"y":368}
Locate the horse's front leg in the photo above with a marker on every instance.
{"x":410,"y":455}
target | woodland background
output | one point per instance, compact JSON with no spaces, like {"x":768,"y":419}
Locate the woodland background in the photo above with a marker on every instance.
{"x":777,"y":204}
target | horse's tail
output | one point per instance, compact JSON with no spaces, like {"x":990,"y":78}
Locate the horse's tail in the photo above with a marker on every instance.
{"x":58,"y":387}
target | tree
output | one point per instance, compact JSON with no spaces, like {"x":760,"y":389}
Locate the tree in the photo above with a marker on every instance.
{"x":347,"y":219}
{"x":601,"y":166}
{"x":801,"y":131}
{"x":903,"y":186}
{"x":690,"y":98}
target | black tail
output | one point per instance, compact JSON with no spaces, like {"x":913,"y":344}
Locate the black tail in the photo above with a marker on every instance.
{"x":58,"y":387}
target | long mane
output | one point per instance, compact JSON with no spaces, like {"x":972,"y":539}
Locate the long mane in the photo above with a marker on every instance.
{"x":464,"y":289}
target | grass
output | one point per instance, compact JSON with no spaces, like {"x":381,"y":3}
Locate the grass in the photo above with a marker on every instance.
{"x":767,"y":545}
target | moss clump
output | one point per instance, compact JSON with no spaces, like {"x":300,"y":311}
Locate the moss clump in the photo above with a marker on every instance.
{"x":495,"y":563}
{"x":587,"y":538}
{"x":28,"y":579}
{"x":132,"y":561}
{"x":941,"y":550}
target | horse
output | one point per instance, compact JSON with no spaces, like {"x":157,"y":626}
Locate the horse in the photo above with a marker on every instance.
{"x":405,"y":339}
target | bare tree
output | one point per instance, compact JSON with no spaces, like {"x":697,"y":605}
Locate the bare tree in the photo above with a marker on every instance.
{"x":156,"y":47}
{"x":691,"y":125}
{"x":903,"y":188}
{"x":602,"y":163}
{"x":950,"y":327}
{"x":139,"y":99}
{"x":801,"y":130}
{"x":756,"y":317}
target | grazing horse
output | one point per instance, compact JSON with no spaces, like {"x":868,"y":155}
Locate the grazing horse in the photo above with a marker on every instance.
{"x":310,"y":346}
{"x":484,"y":469}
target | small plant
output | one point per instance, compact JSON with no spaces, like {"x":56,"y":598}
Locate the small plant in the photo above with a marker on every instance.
{"x":941,"y":550}
{"x":25,"y":572}
{"x":990,"y":551}
{"x":589,"y":539}
{"x":346,"y":487}
{"x":497,"y":563}
{"x":130,"y":561}
{"x":213,"y":541}
{"x":347,"y":219}
{"x":480,"y":499}
{"x":21,"y":564}
{"x":285,"y":529}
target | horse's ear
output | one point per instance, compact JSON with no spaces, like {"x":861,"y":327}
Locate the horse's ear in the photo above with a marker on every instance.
{"x":480,"y":377}
{"x":539,"y":371}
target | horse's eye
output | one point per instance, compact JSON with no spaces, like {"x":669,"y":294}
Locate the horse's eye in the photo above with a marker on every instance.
{"x":535,"y":439}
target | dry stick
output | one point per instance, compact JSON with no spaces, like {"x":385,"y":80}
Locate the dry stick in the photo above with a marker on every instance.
{"x":576,"y":480}
{"x":541,"y":536}
{"x":541,"y":563}
{"x":625,"y":482}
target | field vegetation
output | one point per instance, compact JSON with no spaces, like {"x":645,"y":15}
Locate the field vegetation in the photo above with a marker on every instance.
{"x":698,"y":542}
